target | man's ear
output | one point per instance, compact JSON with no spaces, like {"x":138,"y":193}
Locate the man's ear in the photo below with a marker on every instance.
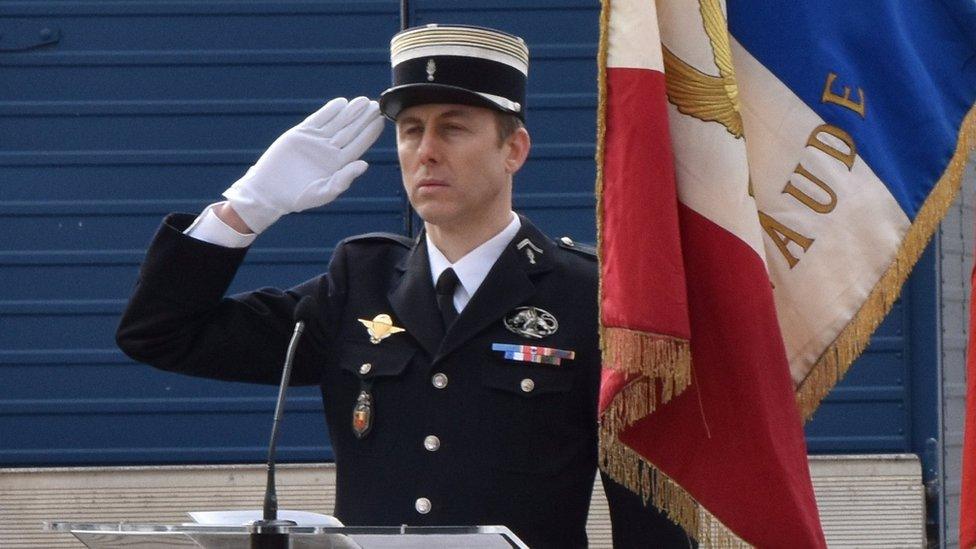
{"x":518,"y":145}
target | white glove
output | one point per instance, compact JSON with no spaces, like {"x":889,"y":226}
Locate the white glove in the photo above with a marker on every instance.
{"x":309,"y":165}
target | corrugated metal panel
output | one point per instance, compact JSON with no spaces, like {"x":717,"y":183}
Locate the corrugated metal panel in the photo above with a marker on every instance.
{"x":144,"y":108}
{"x":956,"y":262}
{"x":870,"y":501}
{"x":28,"y":497}
{"x":598,"y":530}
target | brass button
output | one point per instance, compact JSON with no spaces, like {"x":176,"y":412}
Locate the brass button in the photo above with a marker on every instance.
{"x":432,"y":443}
{"x":422,"y":505}
{"x":365,"y":368}
{"x":439,"y":380}
{"x":527,"y":385}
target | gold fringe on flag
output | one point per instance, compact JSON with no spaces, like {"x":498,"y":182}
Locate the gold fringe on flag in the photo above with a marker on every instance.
{"x":854,"y":338}
{"x":629,"y":405}
{"x":637,"y":474}
{"x":664,"y":359}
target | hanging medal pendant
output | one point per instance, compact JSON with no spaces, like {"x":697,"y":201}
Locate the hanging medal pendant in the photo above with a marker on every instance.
{"x":362,"y":414}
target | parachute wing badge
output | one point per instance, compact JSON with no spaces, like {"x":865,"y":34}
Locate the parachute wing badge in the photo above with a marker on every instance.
{"x":380,"y":327}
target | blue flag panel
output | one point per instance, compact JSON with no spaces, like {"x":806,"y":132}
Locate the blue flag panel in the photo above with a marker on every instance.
{"x":914,"y":61}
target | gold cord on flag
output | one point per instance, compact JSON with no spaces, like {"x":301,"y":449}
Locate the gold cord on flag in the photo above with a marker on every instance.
{"x":833,"y":364}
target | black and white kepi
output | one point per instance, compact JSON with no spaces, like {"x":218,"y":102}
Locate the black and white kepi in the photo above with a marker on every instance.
{"x":457,"y":64}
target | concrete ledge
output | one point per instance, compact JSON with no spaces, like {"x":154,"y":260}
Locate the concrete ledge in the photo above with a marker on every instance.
{"x":29,"y":497}
{"x":864,"y":501}
{"x":870,"y":500}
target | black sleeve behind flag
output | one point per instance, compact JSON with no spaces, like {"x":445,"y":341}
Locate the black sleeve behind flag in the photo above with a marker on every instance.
{"x":636,"y":525}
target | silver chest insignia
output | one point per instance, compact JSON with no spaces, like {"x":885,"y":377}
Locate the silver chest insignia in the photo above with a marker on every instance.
{"x":531,"y":322}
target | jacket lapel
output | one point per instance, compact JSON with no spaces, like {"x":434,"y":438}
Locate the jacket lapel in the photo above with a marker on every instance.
{"x":414,"y":302}
{"x":508,"y":284}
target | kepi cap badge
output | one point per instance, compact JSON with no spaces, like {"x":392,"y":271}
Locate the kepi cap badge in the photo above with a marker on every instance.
{"x":380,"y":328}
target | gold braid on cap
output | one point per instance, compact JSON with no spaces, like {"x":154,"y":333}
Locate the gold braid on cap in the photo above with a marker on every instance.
{"x":433,"y":40}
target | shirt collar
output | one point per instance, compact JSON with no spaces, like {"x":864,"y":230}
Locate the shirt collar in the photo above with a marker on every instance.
{"x":472,"y":269}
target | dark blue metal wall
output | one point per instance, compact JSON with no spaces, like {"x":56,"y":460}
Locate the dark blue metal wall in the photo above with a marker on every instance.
{"x":142,"y":108}
{"x":888,"y":401}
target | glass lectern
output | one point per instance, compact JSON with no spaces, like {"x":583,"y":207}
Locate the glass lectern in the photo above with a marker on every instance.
{"x":124,"y":534}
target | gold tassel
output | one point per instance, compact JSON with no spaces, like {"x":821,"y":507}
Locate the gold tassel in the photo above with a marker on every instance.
{"x":833,"y":364}
{"x":636,"y":352}
{"x":640,"y":476}
{"x":656,"y":359}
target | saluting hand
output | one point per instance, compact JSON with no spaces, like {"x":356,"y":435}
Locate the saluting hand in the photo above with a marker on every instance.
{"x":309,"y":165}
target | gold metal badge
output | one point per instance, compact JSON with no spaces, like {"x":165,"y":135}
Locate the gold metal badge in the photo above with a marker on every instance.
{"x":380,"y":328}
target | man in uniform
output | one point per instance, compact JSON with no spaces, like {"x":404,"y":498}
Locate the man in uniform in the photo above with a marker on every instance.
{"x":459,"y":371}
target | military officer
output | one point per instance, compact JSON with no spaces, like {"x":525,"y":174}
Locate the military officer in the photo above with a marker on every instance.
{"x":459,"y":370}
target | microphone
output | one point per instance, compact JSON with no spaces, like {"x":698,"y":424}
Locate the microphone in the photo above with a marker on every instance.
{"x":265,"y":533}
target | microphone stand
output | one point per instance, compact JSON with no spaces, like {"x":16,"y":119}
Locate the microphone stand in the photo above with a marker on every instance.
{"x":267,"y":533}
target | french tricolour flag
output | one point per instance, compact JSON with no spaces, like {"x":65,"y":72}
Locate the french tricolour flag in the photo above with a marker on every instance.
{"x":769,"y":173}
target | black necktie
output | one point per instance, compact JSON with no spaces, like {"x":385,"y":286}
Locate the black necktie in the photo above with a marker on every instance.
{"x":446,"y":284}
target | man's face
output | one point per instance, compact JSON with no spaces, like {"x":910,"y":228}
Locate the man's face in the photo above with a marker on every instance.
{"x":455,"y":170}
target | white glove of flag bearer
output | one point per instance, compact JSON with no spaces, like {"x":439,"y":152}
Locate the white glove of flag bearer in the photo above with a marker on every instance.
{"x":309,"y":165}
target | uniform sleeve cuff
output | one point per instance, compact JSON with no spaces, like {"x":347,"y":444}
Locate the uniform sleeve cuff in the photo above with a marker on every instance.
{"x":209,"y":228}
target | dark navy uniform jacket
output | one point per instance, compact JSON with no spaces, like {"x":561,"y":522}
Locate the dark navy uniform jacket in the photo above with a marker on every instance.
{"x":517,"y":440}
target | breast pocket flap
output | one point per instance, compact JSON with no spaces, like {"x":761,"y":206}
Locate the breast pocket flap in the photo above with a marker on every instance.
{"x":371,"y":361}
{"x":528,"y":381}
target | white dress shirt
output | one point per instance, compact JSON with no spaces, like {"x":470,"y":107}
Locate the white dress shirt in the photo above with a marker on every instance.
{"x":472,"y":269}
{"x":474,"y":266}
{"x":209,"y":228}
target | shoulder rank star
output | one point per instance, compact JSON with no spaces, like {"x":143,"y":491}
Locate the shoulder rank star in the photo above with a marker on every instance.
{"x":380,"y":328}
